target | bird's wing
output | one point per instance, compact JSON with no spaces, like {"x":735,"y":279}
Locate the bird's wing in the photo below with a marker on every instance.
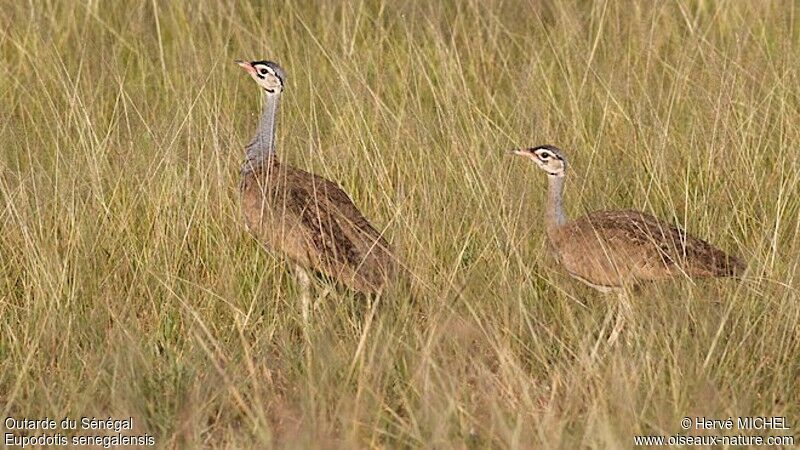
{"x":342,"y":237}
{"x":657,"y":242}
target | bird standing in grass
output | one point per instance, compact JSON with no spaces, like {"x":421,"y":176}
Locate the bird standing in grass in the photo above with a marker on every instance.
{"x":612,"y":249}
{"x":308,"y":219}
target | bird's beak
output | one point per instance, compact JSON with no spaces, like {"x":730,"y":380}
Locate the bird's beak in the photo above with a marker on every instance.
{"x":517,"y":152}
{"x":246,"y":66}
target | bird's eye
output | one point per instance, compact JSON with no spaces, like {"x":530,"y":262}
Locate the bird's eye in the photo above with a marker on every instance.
{"x":544,"y":155}
{"x":262,"y":71}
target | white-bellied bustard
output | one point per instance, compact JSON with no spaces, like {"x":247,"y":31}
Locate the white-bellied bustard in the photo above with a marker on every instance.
{"x":612,"y":249}
{"x":306,"y":218}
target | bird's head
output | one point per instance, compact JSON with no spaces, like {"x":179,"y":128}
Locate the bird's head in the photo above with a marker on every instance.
{"x":267,"y":74}
{"x":547,"y":157}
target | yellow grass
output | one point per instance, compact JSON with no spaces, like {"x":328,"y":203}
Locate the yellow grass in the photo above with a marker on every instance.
{"x":130,"y":287}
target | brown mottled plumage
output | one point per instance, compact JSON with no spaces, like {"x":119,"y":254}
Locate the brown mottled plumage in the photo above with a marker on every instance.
{"x":611,"y":249}
{"x":302,"y":216}
{"x":314,"y":223}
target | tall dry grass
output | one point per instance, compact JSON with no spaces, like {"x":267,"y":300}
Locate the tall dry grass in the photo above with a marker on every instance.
{"x":129,"y":286}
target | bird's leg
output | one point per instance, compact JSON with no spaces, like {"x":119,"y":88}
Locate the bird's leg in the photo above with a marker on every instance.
{"x":304,"y":281}
{"x":623,"y":313}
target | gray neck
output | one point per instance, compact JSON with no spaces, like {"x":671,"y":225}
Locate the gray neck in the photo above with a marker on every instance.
{"x":554,"y":213}
{"x":263,"y":144}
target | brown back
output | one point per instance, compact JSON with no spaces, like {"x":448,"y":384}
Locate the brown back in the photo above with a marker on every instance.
{"x":312,"y":221}
{"x":614,"y":247}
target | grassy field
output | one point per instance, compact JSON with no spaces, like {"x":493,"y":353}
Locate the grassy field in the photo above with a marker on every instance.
{"x":129,"y":286}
